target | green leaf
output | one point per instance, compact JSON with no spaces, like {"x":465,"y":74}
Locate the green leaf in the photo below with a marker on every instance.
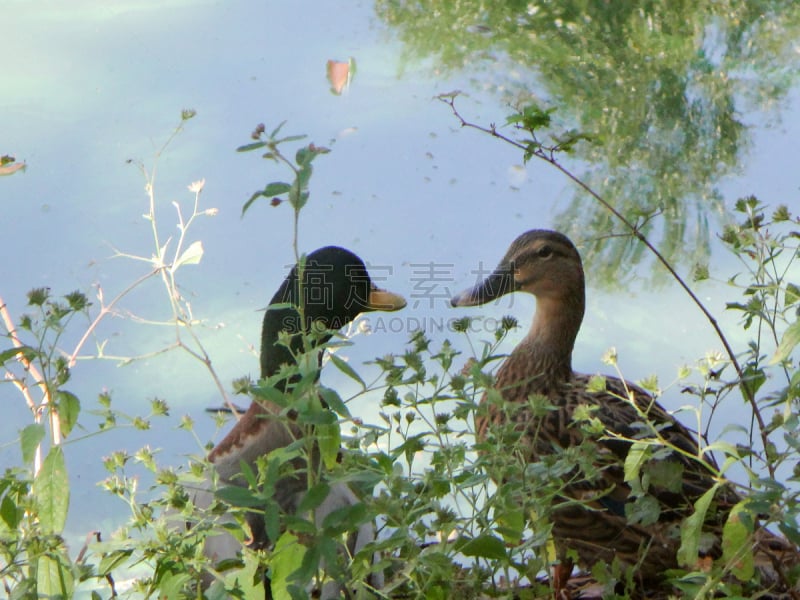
{"x":277,"y":129}
{"x":790,"y":339}
{"x":51,"y":492}
{"x":112,"y":560}
{"x":726,"y":448}
{"x":344,"y":518}
{"x":53,"y":577}
{"x":272,"y":519}
{"x":692,"y":529}
{"x":304,"y":176}
{"x":510,"y":524}
{"x":345,"y":368}
{"x":291,"y":138}
{"x":271,"y":394}
{"x":412,"y":445}
{"x":248,"y":204}
{"x":791,"y":295}
{"x":329,"y":438}
{"x":272,"y":189}
{"x":12,"y":353}
{"x":248,"y":579}
{"x":485,"y":546}
{"x":314,"y":497}
{"x":190,"y":256}
{"x":276,"y":188}
{"x":736,"y":548}
{"x":304,"y":156}
{"x":10,"y":513}
{"x":172,"y":585}
{"x":597,"y":384}
{"x":69,"y":407}
{"x":250,"y":147}
{"x":238,"y":496}
{"x":667,"y":474}
{"x":644,"y":510}
{"x":30,"y":438}
{"x":334,"y":401}
{"x":296,"y":197}
{"x":308,"y":568}
{"x":249,"y":475}
{"x":567,"y":140}
{"x":637,"y":457}
{"x":532,"y":117}
{"x":285,"y":558}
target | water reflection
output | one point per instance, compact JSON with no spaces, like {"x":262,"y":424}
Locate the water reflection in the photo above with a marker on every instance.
{"x":662,"y":86}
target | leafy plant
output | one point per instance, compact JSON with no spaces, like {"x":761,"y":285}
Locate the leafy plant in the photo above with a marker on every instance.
{"x":446,"y":528}
{"x":34,"y":499}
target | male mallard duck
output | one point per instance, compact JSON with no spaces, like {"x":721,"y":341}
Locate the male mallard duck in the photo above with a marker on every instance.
{"x":594,"y":525}
{"x":336,"y":289}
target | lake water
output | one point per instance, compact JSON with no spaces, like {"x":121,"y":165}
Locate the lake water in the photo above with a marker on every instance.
{"x":88,"y":86}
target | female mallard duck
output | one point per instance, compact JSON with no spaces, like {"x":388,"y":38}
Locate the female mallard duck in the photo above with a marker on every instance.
{"x":336,"y":289}
{"x":593,"y":525}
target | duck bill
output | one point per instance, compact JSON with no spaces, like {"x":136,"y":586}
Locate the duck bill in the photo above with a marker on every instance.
{"x":385,"y":301}
{"x":497,"y":284}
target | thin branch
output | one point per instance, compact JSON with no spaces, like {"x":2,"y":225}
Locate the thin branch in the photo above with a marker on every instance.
{"x":105,"y":309}
{"x":26,"y":364}
{"x":55,"y":424}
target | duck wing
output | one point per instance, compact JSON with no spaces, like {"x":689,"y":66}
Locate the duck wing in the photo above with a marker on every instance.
{"x":629,"y":415}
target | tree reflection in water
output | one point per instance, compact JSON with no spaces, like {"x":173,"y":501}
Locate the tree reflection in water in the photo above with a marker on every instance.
{"x":663,"y":88}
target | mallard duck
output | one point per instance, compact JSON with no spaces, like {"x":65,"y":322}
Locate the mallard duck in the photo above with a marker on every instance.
{"x":336,"y":289}
{"x":589,"y":516}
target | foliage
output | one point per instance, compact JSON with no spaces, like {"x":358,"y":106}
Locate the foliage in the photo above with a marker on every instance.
{"x":34,"y":498}
{"x":297,"y":191}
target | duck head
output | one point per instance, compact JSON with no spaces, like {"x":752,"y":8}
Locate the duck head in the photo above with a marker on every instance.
{"x":336,"y":288}
{"x":541,"y":262}
{"x":546,"y":264}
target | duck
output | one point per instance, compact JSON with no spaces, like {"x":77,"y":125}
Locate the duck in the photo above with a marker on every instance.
{"x":336,"y":289}
{"x":589,"y":513}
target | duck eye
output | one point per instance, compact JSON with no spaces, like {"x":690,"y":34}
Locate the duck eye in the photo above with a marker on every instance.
{"x":544,"y":252}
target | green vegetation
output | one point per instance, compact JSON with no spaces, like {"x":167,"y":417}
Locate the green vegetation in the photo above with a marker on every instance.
{"x":445,"y":529}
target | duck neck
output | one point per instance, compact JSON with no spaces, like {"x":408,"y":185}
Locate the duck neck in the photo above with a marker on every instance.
{"x":552,"y":335}
{"x":273,"y":352}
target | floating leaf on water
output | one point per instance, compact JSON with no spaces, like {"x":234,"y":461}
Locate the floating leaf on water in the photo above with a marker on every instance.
{"x":12,"y":168}
{"x":340,"y":74}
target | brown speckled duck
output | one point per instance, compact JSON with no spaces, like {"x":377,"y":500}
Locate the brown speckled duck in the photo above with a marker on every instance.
{"x":589,"y":517}
{"x":336,"y":289}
